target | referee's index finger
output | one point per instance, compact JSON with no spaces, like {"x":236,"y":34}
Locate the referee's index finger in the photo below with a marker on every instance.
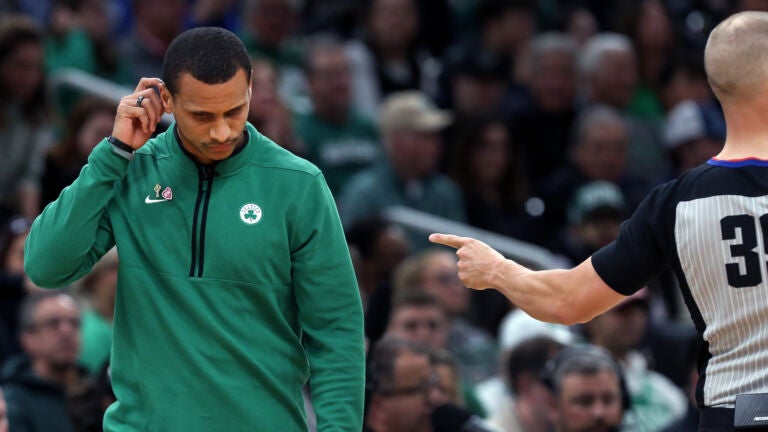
{"x":448,"y":240}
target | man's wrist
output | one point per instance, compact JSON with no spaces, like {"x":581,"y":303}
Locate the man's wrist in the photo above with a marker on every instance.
{"x":120,"y":148}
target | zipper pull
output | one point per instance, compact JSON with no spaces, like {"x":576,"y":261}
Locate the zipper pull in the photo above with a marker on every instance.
{"x":208,"y":172}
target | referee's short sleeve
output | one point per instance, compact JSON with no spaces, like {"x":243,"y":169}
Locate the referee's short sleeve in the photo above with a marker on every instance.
{"x":644,"y":246}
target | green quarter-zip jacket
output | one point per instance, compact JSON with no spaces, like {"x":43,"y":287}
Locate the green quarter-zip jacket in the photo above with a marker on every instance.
{"x":235,"y":282}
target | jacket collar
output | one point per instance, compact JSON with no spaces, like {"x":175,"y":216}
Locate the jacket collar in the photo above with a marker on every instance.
{"x":169,"y":145}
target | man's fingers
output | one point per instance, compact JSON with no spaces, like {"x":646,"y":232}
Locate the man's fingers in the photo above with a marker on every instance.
{"x":448,"y":240}
{"x":150,"y":107}
{"x":146,"y":83}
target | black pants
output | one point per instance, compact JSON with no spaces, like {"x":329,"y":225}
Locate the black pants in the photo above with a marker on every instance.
{"x":718,"y":420}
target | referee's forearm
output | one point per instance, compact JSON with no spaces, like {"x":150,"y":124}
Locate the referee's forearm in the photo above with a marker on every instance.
{"x":558,"y":296}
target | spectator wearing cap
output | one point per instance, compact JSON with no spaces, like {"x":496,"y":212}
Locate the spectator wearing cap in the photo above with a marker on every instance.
{"x":594,"y":217}
{"x":656,"y":401}
{"x":695,"y":132}
{"x":410,"y":126}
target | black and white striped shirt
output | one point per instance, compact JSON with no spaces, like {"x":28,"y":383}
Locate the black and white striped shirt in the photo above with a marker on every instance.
{"x":711,"y":227}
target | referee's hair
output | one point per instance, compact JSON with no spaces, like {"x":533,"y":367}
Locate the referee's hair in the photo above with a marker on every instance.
{"x":734,"y":68}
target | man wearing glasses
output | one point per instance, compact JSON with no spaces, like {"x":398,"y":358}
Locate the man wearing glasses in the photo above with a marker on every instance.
{"x":402,"y":387}
{"x":37,"y":384}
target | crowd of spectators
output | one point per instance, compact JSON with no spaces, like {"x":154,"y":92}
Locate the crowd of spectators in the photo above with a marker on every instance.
{"x":545,"y":121}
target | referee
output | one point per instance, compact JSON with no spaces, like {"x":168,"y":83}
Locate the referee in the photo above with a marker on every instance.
{"x":710,"y":226}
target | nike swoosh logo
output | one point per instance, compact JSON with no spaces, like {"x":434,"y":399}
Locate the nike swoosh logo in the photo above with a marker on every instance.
{"x":152,"y":201}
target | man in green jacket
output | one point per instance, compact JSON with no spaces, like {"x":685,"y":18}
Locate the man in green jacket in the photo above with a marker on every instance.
{"x":235,"y":280}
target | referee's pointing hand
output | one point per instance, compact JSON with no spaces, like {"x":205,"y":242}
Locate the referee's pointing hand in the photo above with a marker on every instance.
{"x":479,"y":264}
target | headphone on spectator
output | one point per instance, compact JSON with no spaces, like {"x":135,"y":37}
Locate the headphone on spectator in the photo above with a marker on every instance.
{"x":568,"y":355}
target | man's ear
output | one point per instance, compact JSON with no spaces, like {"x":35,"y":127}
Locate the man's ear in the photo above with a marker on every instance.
{"x":166,"y":99}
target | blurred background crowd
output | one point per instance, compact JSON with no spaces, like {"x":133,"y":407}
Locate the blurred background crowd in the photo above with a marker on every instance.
{"x":543,"y":123}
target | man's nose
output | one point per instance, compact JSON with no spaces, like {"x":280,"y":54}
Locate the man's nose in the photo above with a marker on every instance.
{"x":220,"y":131}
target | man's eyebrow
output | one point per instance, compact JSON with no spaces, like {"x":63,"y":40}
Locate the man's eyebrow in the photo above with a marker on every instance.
{"x":238,"y":108}
{"x":203,"y":112}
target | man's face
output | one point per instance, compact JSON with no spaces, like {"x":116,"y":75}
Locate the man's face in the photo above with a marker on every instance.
{"x":330,"y":79}
{"x":441,"y":280}
{"x":393,"y":23}
{"x":491,"y":157}
{"x":405,"y":407}
{"x":596,"y":232}
{"x":273,"y":21}
{"x":162,"y":19}
{"x":423,"y":324}
{"x":264,"y":95}
{"x":211,"y":117}
{"x":478,"y":96}
{"x":602,"y":151}
{"x":553,"y":82}
{"x":392,"y":247}
{"x":589,"y":403}
{"x":620,"y":329}
{"x":54,"y":337}
{"x":22,"y":71}
{"x":414,"y":154}
{"x":615,"y":78}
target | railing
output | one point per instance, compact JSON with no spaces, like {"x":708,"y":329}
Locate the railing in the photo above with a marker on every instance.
{"x":525,"y":253}
{"x":93,"y":85}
